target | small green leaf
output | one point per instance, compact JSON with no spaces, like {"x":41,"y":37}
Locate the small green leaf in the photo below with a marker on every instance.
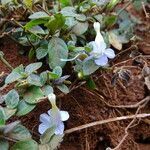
{"x":24,"y":108}
{"x":33,"y":67}
{"x":9,"y":112}
{"x":47,"y":89}
{"x":19,"y":133}
{"x":80,"y":28}
{"x":31,"y":54}
{"x":34,"y":79}
{"x":65,"y":2}
{"x":12,"y":99}
{"x":81,"y":17}
{"x":4,"y":145}
{"x":58,"y":70}
{"x":19,"y":69}
{"x":25,"y":145}
{"x":69,"y":11}
{"x":55,"y":141}
{"x":35,"y":22}
{"x":89,"y":67}
{"x":91,"y":84}
{"x":2,"y":116}
{"x":41,"y":52}
{"x":46,"y":137}
{"x":53,"y":76}
{"x":57,"y":50}
{"x":63,"y":88}
{"x":39,"y":15}
{"x":28,"y":3}
{"x":10,"y":127}
{"x":12,"y":77}
{"x":33,"y":94}
{"x":112,"y":4}
{"x":56,"y":23}
{"x":37,"y":30}
{"x":110,"y":20}
{"x":43,"y":77}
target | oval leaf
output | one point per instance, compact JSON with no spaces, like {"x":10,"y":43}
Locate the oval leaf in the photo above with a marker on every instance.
{"x":57,"y":50}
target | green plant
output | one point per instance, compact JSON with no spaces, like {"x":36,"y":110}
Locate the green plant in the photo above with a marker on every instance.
{"x":56,"y":34}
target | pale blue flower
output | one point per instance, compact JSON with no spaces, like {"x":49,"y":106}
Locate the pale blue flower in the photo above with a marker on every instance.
{"x":100,"y":53}
{"x":54,"y":117}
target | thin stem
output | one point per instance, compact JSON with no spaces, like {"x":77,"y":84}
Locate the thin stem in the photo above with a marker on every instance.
{"x":6,"y":62}
{"x":20,"y":25}
{"x":9,"y":139}
{"x":104,"y":122}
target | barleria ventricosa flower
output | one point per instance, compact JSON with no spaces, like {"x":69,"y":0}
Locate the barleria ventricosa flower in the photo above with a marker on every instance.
{"x":100,"y":52}
{"x":54,"y":117}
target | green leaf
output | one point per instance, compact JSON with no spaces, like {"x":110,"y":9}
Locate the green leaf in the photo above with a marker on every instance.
{"x":33,"y":67}
{"x":12,"y":77}
{"x":34,"y":79}
{"x":53,"y":76}
{"x":10,"y":127}
{"x":33,"y":94}
{"x":46,"y":137}
{"x":42,"y":51}
{"x":69,"y":12}
{"x":43,"y":77}
{"x":55,"y":141}
{"x":91,"y":84}
{"x":89,"y":67}
{"x":47,"y":89}
{"x":81,"y":17}
{"x":110,"y":20}
{"x":63,"y":88}
{"x":31,"y":54}
{"x":112,"y":4}
{"x":33,"y":23}
{"x":58,"y":70}
{"x":70,"y":22}
{"x":4,"y":145}
{"x":65,"y":2}
{"x":39,"y":15}
{"x":28,"y":3}
{"x":25,"y":145}
{"x":19,"y":133}
{"x":37,"y":30}
{"x":19,"y":69}
{"x":2,"y":116}
{"x":12,"y":99}
{"x":9,"y":112}
{"x":80,"y":28}
{"x":57,"y":50}
{"x":24,"y":108}
{"x":56,"y":23}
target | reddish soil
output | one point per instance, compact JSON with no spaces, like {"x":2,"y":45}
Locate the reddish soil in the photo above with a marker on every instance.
{"x":87,"y":106}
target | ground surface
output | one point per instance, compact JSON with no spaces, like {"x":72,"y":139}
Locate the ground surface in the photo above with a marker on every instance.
{"x":86,"y":106}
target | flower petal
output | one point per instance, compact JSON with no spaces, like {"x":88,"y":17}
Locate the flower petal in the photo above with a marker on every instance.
{"x":102,"y":46}
{"x":110,"y":53}
{"x":60,"y":128}
{"x":102,"y":61}
{"x":98,"y":48}
{"x":45,"y":118}
{"x":64,"y":115}
{"x":42,"y":128}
